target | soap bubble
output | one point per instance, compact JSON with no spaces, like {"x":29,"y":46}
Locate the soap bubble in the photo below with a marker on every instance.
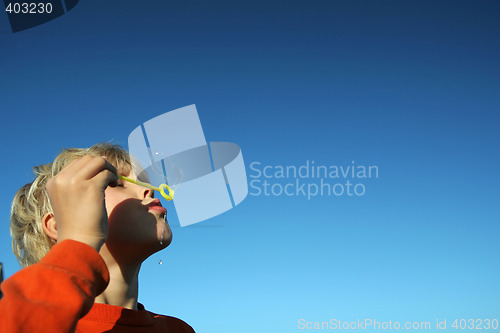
{"x":159,"y":169}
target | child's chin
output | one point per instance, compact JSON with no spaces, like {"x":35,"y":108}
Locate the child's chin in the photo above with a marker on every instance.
{"x":166,"y":239}
{"x":165,"y":243}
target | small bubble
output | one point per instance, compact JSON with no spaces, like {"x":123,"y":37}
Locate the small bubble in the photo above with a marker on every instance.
{"x":160,"y":262}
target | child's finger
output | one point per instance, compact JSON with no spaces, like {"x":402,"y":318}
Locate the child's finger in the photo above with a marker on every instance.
{"x":74,"y":166}
{"x":106,"y":178}
{"x":113,"y":179}
{"x":95,"y":165}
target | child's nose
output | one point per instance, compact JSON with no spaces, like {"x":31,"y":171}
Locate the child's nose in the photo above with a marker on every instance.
{"x":147,"y":193}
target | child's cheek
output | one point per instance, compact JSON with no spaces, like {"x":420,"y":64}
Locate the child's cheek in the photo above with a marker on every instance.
{"x":112,"y":199}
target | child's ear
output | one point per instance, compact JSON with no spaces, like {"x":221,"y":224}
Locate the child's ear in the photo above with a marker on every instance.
{"x":49,"y":226}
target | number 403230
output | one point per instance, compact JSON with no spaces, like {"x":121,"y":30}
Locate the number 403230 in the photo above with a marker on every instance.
{"x":477,"y":324}
{"x":29,"y":8}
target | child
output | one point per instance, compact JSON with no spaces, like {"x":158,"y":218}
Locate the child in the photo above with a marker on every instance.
{"x":82,"y":234}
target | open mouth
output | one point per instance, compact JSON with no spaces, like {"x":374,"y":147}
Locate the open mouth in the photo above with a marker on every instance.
{"x":159,"y":209}
{"x":155,"y":206}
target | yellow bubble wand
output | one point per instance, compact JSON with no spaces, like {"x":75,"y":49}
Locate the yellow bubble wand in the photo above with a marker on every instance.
{"x":160,"y":188}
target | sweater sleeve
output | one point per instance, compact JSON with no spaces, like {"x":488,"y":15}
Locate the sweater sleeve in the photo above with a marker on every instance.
{"x":52,"y":295}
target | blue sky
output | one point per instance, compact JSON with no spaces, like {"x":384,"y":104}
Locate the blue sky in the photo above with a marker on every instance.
{"x":411,"y":87}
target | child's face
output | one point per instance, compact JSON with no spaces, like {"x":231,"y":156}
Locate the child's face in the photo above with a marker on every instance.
{"x":135,"y":218}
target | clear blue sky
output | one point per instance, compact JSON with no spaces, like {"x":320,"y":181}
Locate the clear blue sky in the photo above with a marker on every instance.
{"x":408,"y":86}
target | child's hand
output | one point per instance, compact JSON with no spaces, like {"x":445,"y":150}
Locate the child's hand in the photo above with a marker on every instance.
{"x":77,"y":197}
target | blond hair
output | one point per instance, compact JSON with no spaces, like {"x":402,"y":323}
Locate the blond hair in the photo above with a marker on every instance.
{"x":31,"y":202}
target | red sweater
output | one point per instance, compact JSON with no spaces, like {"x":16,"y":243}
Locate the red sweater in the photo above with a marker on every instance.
{"x":57,"y":295}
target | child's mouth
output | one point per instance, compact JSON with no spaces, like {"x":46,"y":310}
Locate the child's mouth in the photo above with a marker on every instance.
{"x":160,"y":209}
